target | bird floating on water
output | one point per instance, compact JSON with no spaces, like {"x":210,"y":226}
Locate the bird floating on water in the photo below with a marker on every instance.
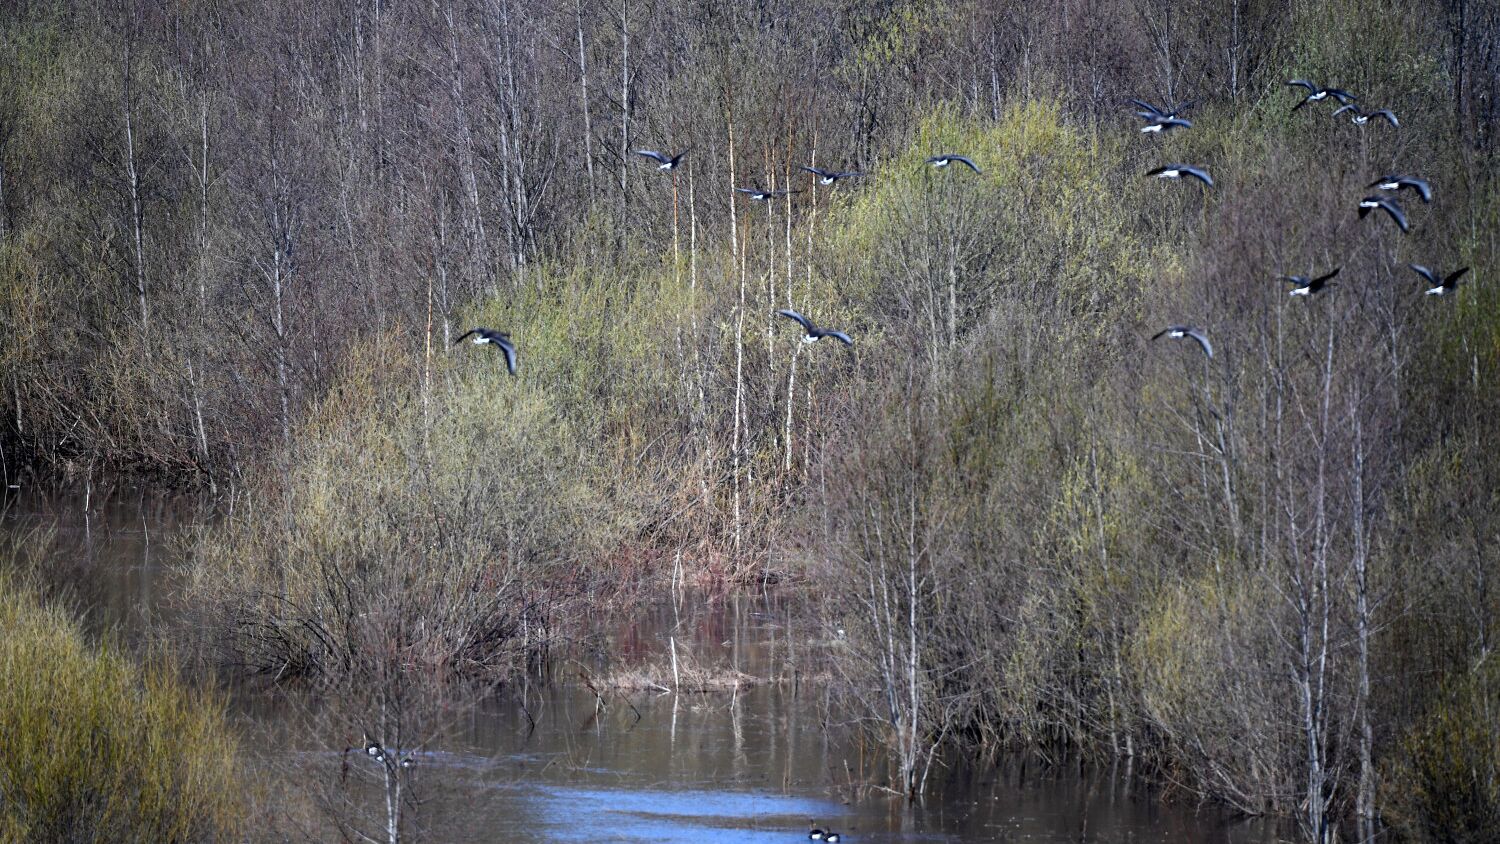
{"x":811,"y":332}
{"x":945,"y":160}
{"x":1177,"y":332}
{"x":1361,"y":117}
{"x":497,"y":338}
{"x":1158,"y":125}
{"x":760,"y":195}
{"x":1389,"y":206}
{"x":1439,"y":286}
{"x":1396,"y":182}
{"x":828,"y":177}
{"x":663,"y":161}
{"x":1178,"y":171}
{"x":1304,"y":286}
{"x":1317,"y":93}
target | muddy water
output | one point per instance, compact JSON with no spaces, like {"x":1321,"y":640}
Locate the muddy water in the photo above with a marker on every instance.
{"x":557,"y":763}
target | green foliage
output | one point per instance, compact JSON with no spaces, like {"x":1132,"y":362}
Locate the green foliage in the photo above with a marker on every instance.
{"x":94,"y":748}
{"x":1444,"y":783}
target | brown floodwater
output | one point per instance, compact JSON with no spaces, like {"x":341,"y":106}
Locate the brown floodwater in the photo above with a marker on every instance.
{"x":550,"y":763}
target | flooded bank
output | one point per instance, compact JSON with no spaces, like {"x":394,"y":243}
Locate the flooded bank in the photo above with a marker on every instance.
{"x":577,"y":759}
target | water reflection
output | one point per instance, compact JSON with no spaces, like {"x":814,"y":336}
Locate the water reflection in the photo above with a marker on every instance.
{"x":562,"y":762}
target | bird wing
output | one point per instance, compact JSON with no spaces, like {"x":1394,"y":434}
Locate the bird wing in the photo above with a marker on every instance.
{"x":1343,"y":108}
{"x":1454,"y":276}
{"x":816,"y":171}
{"x":807,"y":324}
{"x":1419,"y":185}
{"x":749,"y":190}
{"x":678,"y":157}
{"x":1311,"y":88}
{"x":839,"y":336}
{"x":1142,"y":104}
{"x":1164,"y":332}
{"x":1344,"y":97}
{"x":1160,"y":170}
{"x":1396,"y":213}
{"x":510,"y":354}
{"x":1208,"y":348}
{"x":963,"y":160}
{"x":1390,"y":116}
{"x":1199,"y":174}
{"x":1184,"y":106}
{"x":1323,"y":279}
{"x":653,"y":155}
{"x":471,"y":332}
{"x":1299,"y":280}
{"x":849,"y":175}
{"x":1305,"y":100}
{"x":1425,"y":273}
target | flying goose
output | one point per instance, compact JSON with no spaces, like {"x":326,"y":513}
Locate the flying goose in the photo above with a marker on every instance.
{"x":1315,"y":93}
{"x":1148,"y":111}
{"x":1439,"y":287}
{"x":760,"y":195}
{"x":1177,"y":332}
{"x":1389,"y":206}
{"x":811,"y":332}
{"x":498,"y":338}
{"x":1303,"y":286}
{"x":1177,"y":171}
{"x":828,"y":177}
{"x":663,"y":161}
{"x":1361,"y":117}
{"x":945,"y":160}
{"x":1161,"y":124}
{"x":1395,"y":182}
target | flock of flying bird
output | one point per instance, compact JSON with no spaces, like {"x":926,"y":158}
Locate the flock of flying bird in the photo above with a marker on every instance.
{"x":1158,"y":120}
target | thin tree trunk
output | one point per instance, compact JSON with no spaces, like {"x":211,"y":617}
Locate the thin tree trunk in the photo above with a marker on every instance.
{"x":133,"y":180}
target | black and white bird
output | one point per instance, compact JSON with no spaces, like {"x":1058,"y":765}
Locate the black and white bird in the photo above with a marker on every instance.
{"x":1439,"y":286}
{"x":374,"y":750}
{"x":1158,"y":125}
{"x":496,"y":338}
{"x":1304,"y":286}
{"x":945,"y":160}
{"x":816,"y":833}
{"x":1147,"y":111}
{"x":1178,"y":171}
{"x":408,"y":761}
{"x":828,"y":177}
{"x":1395,"y":182}
{"x":760,"y":195}
{"x":1317,"y":93}
{"x":663,"y":161}
{"x":811,"y":332}
{"x":1177,"y":332}
{"x":1360,"y":117}
{"x":831,"y":837}
{"x":1389,"y":206}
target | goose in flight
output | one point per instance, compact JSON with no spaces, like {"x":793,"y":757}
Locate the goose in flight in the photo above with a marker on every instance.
{"x":1304,"y":286}
{"x":1147,"y":111}
{"x":1177,"y":332}
{"x":1439,"y":286}
{"x":811,"y":332}
{"x":1361,"y":117}
{"x":1178,"y":171}
{"x":498,"y":338}
{"x":1317,"y":93}
{"x":945,"y":160}
{"x":760,"y":195}
{"x":1158,"y":125}
{"x":1394,"y":183}
{"x":828,"y":177}
{"x":1389,"y":206}
{"x":663,"y":161}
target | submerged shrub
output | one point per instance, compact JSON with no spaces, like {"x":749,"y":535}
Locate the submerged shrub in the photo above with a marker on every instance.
{"x":445,"y":533}
{"x":94,"y":748}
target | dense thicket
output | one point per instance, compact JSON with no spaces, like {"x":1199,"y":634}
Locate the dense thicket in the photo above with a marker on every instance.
{"x":233,"y":230}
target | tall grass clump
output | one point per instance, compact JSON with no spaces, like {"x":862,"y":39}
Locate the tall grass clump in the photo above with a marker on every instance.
{"x":96,"y":748}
